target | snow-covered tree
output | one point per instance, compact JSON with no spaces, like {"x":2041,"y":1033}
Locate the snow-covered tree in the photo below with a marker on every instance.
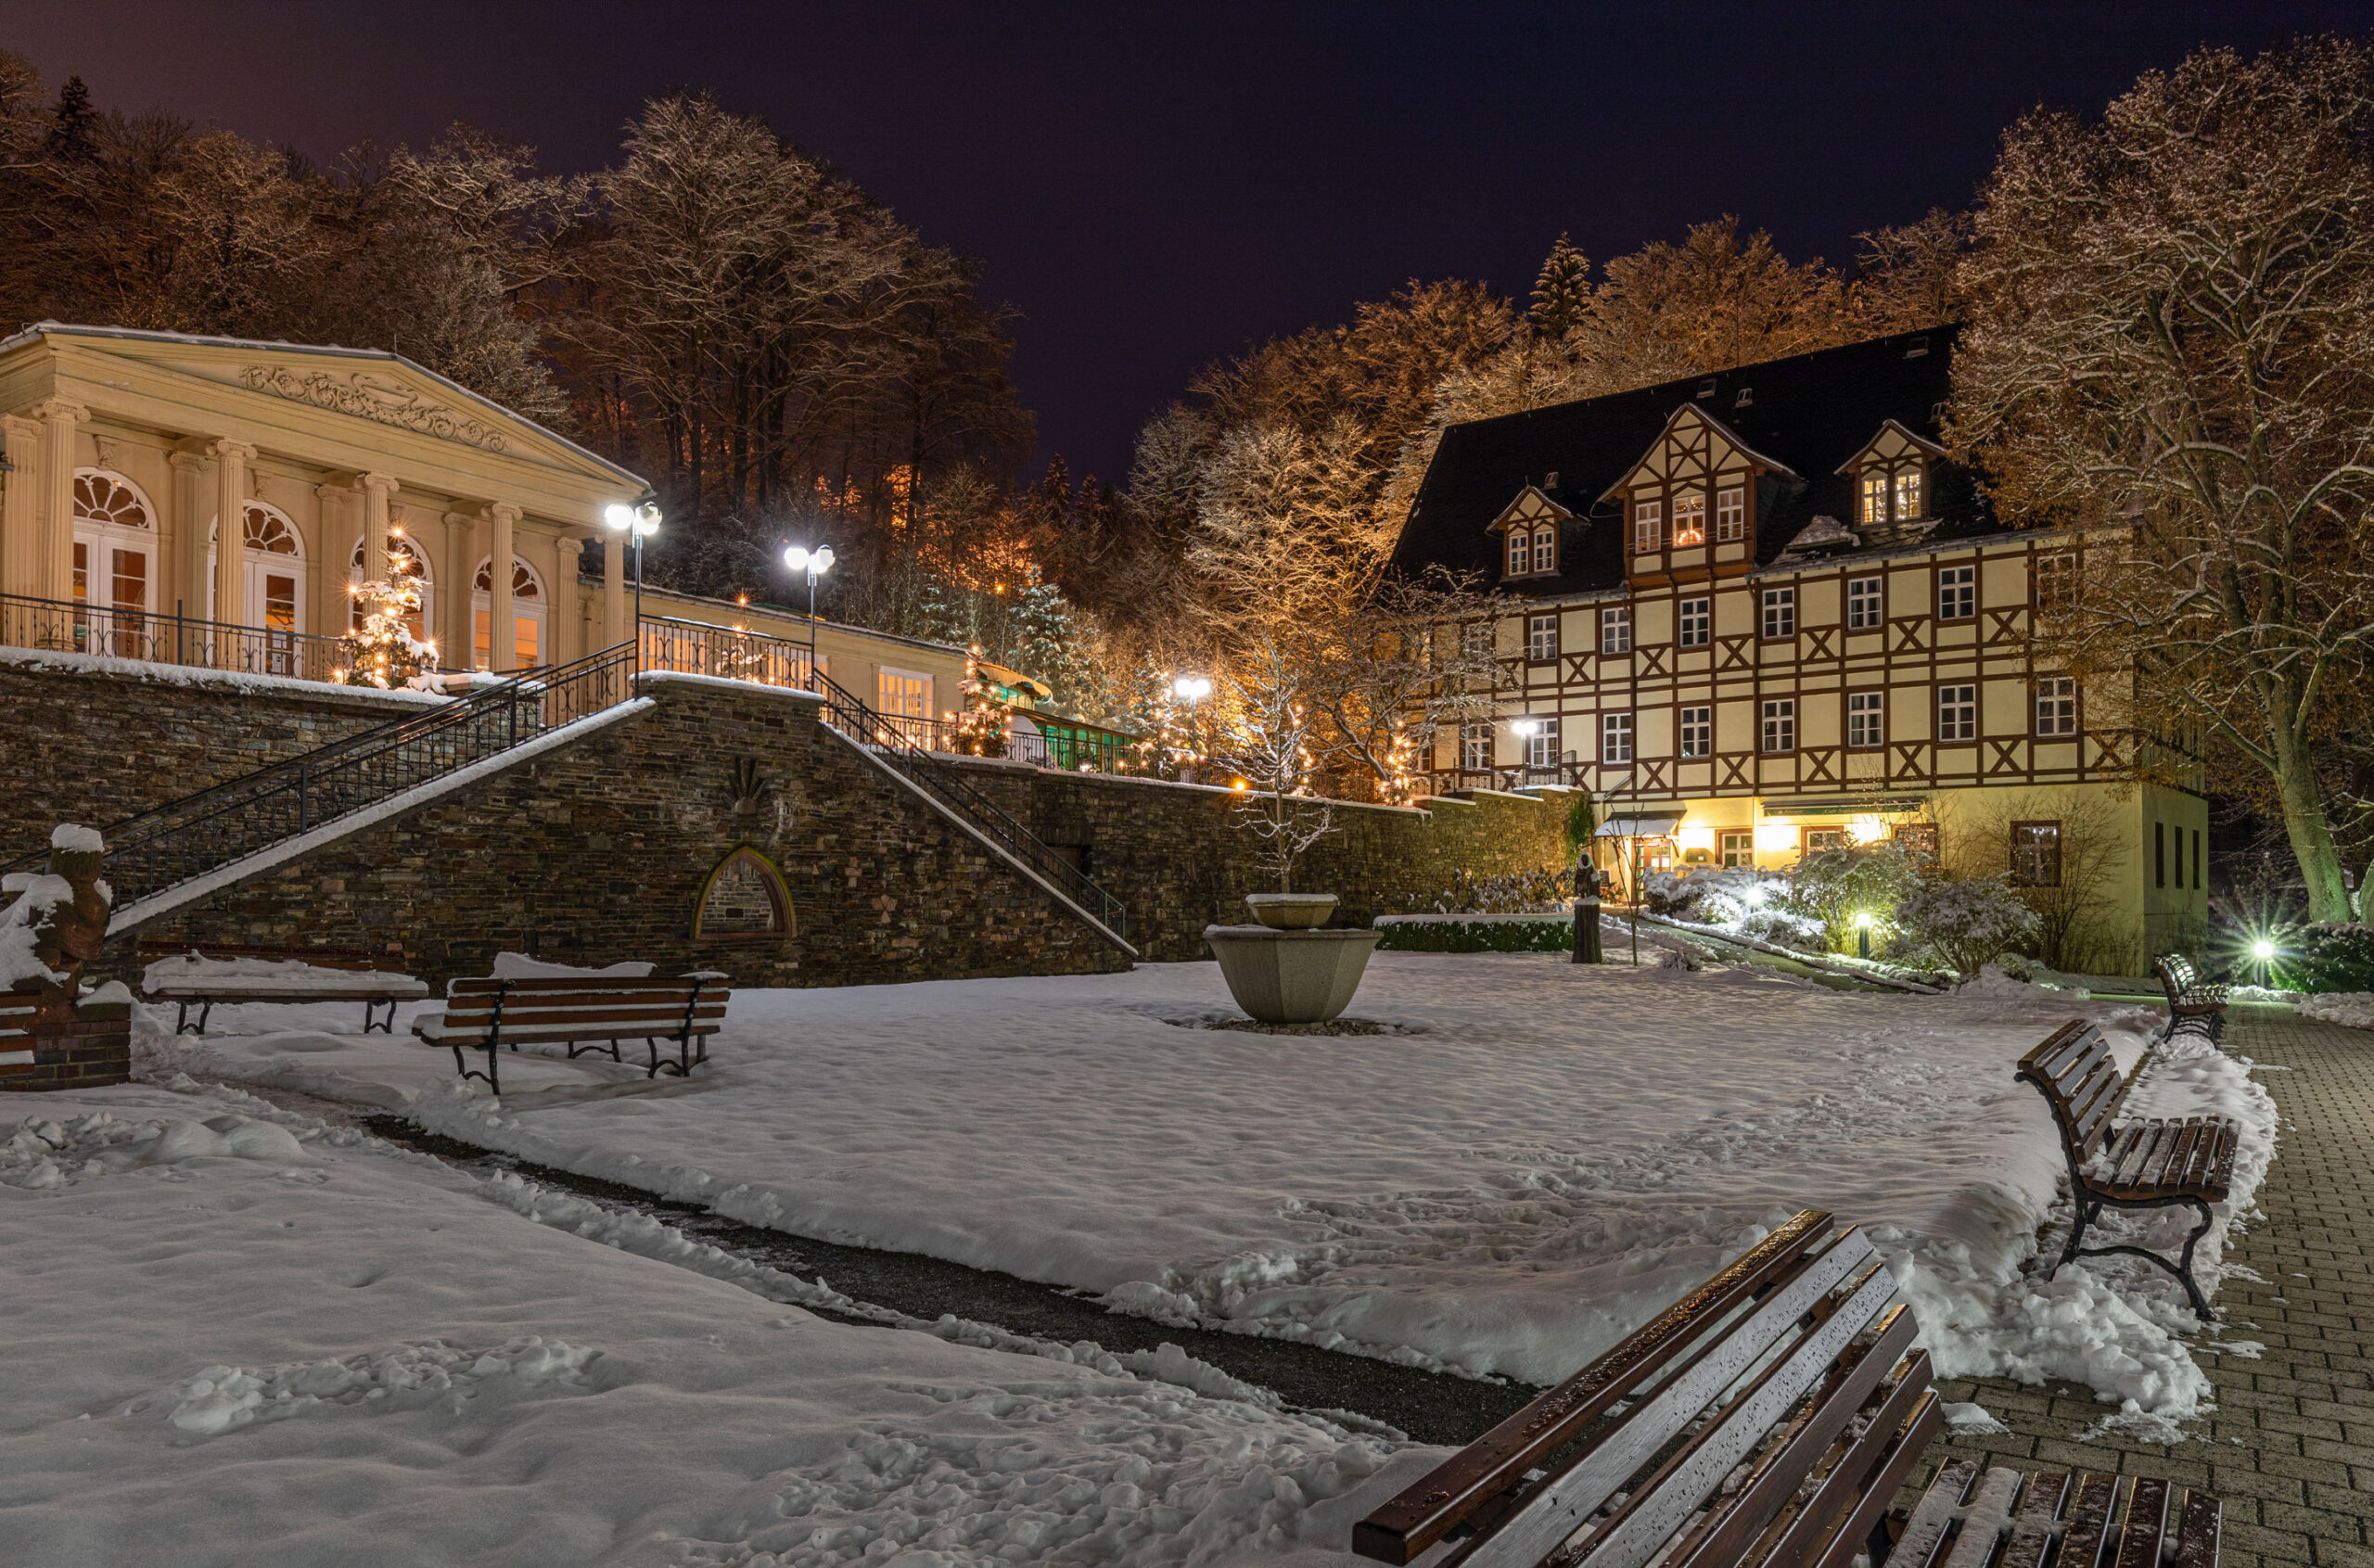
{"x":1562,"y":292}
{"x":1965,"y":924}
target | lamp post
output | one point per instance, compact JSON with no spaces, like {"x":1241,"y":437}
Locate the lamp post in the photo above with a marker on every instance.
{"x":1524,"y":730}
{"x":815,"y":563}
{"x":1863,"y":934}
{"x":1191,"y":690}
{"x":637,"y":523}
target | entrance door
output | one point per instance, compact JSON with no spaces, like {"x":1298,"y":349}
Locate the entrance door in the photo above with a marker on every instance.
{"x":111,"y":596}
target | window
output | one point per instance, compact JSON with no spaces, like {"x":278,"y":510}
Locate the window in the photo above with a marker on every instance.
{"x":1863,"y":610}
{"x":1545,"y":549}
{"x":2035,"y":854}
{"x":1907,"y":493}
{"x":527,"y":613}
{"x":1520,"y":552}
{"x":1697,"y":621}
{"x":1956,"y":713}
{"x":1818,"y":839}
{"x":1542,"y":747}
{"x":1779,"y":612}
{"x":2196,"y":859}
{"x":1919,"y":837}
{"x":1477,"y":635}
{"x":1648,"y":523}
{"x":406,"y":560}
{"x":905,"y":697}
{"x":2055,"y":580}
{"x":1957,"y":592}
{"x":1475,"y":746}
{"x":1731,"y":515}
{"x":1615,"y":738}
{"x":1615,"y":629}
{"x":1875,"y":495}
{"x":1738,"y":850}
{"x":1542,"y":638}
{"x":1866,"y":718}
{"x":1698,"y":732}
{"x":1690,"y":518}
{"x":2160,"y":857}
{"x":2056,"y":707}
{"x":1780,"y":724}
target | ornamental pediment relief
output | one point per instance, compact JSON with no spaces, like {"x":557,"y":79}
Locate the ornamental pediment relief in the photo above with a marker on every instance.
{"x":368,"y":396}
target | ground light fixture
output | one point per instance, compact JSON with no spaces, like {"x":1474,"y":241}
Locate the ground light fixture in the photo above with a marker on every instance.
{"x":814,"y":563}
{"x":637,"y":523}
{"x":1863,"y":934}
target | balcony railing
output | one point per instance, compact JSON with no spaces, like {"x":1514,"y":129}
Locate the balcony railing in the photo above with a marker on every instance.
{"x":692,"y":647}
{"x":125,"y":631}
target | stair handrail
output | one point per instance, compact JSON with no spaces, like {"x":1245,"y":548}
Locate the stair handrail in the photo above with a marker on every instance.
{"x":329,"y":782}
{"x":884,"y":737}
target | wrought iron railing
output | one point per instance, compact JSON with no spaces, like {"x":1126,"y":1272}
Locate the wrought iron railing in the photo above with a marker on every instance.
{"x":692,"y":647}
{"x":888,"y":740}
{"x":186,"y":838}
{"x":125,"y":631}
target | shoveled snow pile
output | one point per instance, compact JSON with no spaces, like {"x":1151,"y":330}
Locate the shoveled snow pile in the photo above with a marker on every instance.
{"x":2351,"y":1009}
{"x":195,"y":974}
{"x":215,"y":1365}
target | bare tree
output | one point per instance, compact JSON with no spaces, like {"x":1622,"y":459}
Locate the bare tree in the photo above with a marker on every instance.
{"x":2172,"y":347}
{"x":2069,"y":879}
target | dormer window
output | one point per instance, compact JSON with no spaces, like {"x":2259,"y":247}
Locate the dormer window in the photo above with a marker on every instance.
{"x":1875,"y":496}
{"x":1891,"y":477}
{"x":1520,"y":552}
{"x":1648,"y":525}
{"x":1545,"y":549}
{"x":1907,"y":492}
{"x":1690,"y":519}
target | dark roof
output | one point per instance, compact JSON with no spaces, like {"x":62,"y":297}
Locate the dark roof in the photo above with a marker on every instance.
{"x":1811,"y":413}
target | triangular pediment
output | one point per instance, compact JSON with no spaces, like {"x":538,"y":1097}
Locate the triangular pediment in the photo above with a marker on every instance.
{"x":1532,"y":505}
{"x":1696,"y":437}
{"x":1893,"y":444}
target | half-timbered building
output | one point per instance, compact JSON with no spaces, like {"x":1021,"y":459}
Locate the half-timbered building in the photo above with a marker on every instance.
{"x":1761,"y":612}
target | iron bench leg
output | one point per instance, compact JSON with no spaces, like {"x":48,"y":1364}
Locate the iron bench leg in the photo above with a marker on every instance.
{"x":371,"y":1006}
{"x":204,"y":1010}
{"x":2182,"y":1270}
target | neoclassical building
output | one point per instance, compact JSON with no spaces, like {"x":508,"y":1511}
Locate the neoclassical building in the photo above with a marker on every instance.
{"x":1761,"y":612}
{"x":125,"y":450}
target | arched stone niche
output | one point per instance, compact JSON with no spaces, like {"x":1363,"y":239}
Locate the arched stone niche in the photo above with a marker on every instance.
{"x":743,"y":900}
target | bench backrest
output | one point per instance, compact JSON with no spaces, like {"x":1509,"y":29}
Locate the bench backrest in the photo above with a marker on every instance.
{"x":361,"y":958}
{"x":599,"y":1004}
{"x":1798,"y":1332}
{"x":2175,"y":972}
{"x":2080,"y":1081}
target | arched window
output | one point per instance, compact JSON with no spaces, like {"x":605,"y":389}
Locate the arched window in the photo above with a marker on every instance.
{"x":743,"y":901}
{"x":1545,"y":549}
{"x":115,"y":557}
{"x":412,"y":561}
{"x":527,"y":615}
{"x":272,"y":595}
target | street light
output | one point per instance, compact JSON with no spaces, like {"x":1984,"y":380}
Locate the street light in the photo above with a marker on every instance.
{"x":1191,"y":690}
{"x":815,"y":563}
{"x":637,"y":523}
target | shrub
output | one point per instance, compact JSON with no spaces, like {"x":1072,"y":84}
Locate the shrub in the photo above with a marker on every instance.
{"x":1834,"y":886}
{"x":1966,"y":924}
{"x":2322,"y":958}
{"x":1543,"y":936}
{"x":1712,"y":895}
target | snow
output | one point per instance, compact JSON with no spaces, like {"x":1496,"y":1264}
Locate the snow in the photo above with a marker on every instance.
{"x":1532,"y":1161}
{"x":519,"y":966}
{"x":77,"y":839}
{"x":329,"y":1350}
{"x":188,"y":974}
{"x":2350,"y":1008}
{"x":395,"y":805}
{"x":194,"y":675}
{"x":38,"y":894}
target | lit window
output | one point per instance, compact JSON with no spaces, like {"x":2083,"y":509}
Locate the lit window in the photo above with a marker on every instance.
{"x":1698,"y":732}
{"x":1863,"y":604}
{"x":899,"y":693}
{"x":1648,"y":524}
{"x":1919,"y":837}
{"x":2035,"y":854}
{"x":1780,"y":724}
{"x":1690,"y":519}
{"x":1907,"y":493}
{"x":1615,"y":629}
{"x":1542,"y":747}
{"x":1542,"y":638}
{"x":1875,"y":495}
{"x":1957,"y":592}
{"x":1697,"y":621}
{"x":1739,"y":849}
{"x":1956,"y":713}
{"x":1615,"y":738}
{"x":1520,"y":552}
{"x":1475,"y":746}
{"x":2056,"y":580}
{"x":1866,"y":718}
{"x":1779,"y":612}
{"x":1731,"y":515}
{"x":1818,"y":839}
{"x":1545,"y":549}
{"x":2056,"y":706}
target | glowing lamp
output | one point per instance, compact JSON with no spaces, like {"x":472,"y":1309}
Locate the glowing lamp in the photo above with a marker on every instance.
{"x":2261,"y":949}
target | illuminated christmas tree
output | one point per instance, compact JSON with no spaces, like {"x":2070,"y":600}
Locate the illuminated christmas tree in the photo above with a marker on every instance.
{"x":383,"y":652}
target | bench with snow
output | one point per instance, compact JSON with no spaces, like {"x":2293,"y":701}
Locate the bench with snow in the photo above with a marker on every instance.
{"x":1767,"y":1419}
{"x":584,"y":1012}
{"x":2149,"y":1164}
{"x":202,"y":974}
{"x":2192,"y":1004}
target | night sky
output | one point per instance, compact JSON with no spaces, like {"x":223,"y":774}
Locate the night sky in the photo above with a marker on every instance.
{"x":1155,"y":187}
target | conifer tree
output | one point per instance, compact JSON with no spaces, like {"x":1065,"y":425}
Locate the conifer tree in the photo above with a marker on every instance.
{"x":73,"y":132}
{"x":1563,"y":293}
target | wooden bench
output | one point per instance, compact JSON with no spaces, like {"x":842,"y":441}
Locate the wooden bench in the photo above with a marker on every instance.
{"x":2152,"y":1164}
{"x":584,"y":1012}
{"x":2191,"y":1003}
{"x":1766,"y":1418}
{"x":374,"y":979}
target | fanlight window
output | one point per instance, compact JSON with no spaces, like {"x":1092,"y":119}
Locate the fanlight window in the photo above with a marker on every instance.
{"x":744,"y":900}
{"x":103,"y":498}
{"x":266,"y":529}
{"x":523,"y":581}
{"x":399,"y":546}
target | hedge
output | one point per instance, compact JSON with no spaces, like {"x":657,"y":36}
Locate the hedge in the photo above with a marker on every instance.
{"x":2324,"y":958}
{"x":1547,"y":934}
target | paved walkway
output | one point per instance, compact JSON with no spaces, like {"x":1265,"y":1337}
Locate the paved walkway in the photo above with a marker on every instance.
{"x":2290,"y":1448}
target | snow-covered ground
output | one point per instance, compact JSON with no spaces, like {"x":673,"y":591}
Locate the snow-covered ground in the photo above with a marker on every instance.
{"x":2351,"y":1009}
{"x":239,"y":1338}
{"x":1533,"y":1161}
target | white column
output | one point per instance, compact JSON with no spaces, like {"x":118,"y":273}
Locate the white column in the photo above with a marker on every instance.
{"x":565,"y":621}
{"x":231,"y":460}
{"x":55,"y":555}
{"x":502,"y":637}
{"x":333,"y":606}
{"x":614,"y":589}
{"x":20,"y":520}
{"x":454,"y":649}
{"x":193,"y":498}
{"x":376,"y":487}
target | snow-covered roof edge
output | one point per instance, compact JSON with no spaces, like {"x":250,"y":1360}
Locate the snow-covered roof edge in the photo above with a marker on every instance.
{"x":141,"y":334}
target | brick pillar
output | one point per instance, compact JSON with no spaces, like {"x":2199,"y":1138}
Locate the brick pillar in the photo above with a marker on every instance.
{"x":54,"y":560}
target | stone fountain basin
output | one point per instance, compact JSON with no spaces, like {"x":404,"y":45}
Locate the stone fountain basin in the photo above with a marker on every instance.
{"x":1291,"y":976}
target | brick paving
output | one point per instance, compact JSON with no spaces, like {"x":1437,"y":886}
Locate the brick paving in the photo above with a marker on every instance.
{"x":2291,"y":1447}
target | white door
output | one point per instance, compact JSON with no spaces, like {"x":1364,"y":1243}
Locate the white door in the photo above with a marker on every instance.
{"x":528,"y":641}
{"x":115,"y":570}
